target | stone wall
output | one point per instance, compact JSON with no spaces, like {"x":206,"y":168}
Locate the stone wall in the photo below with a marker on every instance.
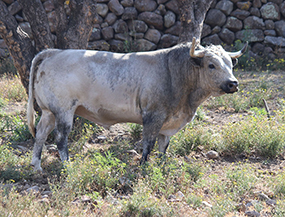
{"x":135,"y":25}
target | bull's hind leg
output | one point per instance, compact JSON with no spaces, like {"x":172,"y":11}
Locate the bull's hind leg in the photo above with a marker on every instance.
{"x":44,"y":128}
{"x":63,"y":126}
{"x":152,"y":124}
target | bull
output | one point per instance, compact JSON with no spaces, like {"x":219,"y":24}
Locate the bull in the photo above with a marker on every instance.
{"x":160,"y":90}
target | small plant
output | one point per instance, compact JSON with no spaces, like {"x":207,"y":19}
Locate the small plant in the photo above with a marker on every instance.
{"x":135,"y":131}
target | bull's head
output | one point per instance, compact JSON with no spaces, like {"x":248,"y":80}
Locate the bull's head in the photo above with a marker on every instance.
{"x":217,"y":65}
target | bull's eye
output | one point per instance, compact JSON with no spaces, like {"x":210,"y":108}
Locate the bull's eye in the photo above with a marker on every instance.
{"x":212,"y":66}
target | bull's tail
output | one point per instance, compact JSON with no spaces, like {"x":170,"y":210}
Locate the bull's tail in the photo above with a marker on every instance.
{"x":30,"y":110}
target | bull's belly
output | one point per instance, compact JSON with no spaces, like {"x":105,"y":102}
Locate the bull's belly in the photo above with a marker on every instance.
{"x":108,"y":117}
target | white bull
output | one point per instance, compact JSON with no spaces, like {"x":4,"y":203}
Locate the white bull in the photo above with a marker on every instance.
{"x":159,"y":89}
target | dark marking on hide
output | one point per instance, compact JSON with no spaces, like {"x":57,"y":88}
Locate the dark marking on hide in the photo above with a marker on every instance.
{"x":73,"y":103}
{"x":42,"y":74}
{"x":38,"y":63}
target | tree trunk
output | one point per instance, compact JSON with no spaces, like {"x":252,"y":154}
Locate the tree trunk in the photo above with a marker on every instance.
{"x":73,"y":30}
{"x":192,"y":15}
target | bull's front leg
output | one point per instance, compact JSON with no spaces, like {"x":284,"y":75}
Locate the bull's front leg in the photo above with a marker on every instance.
{"x":152,"y":124}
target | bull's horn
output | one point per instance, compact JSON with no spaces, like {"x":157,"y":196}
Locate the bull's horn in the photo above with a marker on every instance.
{"x":237,"y":54}
{"x":196,"y":53}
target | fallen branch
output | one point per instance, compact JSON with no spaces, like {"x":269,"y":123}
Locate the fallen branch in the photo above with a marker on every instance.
{"x":266,"y":108}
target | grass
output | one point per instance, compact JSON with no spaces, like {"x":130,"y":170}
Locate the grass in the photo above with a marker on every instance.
{"x":182,"y":183}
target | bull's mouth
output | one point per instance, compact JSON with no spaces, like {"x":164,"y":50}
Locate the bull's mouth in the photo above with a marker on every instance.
{"x":230,"y":87}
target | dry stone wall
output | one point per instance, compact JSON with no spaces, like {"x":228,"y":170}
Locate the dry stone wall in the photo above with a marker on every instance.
{"x":136,"y":25}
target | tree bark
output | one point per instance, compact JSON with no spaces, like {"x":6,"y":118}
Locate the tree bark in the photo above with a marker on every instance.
{"x":73,"y":30}
{"x":37,"y":17}
{"x":18,"y":42}
{"x":192,"y":15}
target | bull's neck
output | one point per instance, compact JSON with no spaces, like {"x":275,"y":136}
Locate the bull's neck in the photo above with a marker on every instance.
{"x":198,"y":93}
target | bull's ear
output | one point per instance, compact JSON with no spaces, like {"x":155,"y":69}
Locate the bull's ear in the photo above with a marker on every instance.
{"x":197,"y":61}
{"x":235,"y":62}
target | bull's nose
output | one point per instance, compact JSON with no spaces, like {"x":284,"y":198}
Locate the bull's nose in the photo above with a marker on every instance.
{"x":232,"y":86}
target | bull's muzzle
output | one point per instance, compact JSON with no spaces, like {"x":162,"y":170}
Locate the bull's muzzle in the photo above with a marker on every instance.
{"x":230,"y":87}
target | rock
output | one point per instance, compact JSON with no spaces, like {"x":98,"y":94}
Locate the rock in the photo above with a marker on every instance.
{"x":254,"y":22}
{"x":212,"y":154}
{"x":205,"y":203}
{"x":137,"y":26}
{"x":206,"y":30}
{"x":233,"y":24}
{"x":173,"y":6}
{"x":270,"y":32}
{"x":130,"y":14}
{"x":225,"y":6}
{"x":122,"y":36}
{"x":95,"y":34}
{"x":152,"y":19}
{"x":252,"y":213}
{"x":85,"y":199}
{"x":256,"y":3}
{"x":276,"y":41}
{"x":255,"y":12}
{"x":48,"y":6}
{"x":280,"y":28}
{"x":127,"y":3}
{"x":282,"y":9}
{"x":258,"y":48}
{"x":48,"y":193}
{"x":116,"y":7}
{"x":215,"y":18}
{"x":116,"y":45}
{"x":19,"y":18}
{"x":168,"y":40}
{"x":271,"y":202}
{"x":110,"y":18}
{"x":250,"y":35}
{"x":216,"y":29}
{"x":136,"y":35}
{"x":107,"y":33}
{"x":120,"y":26}
{"x":102,"y":9}
{"x":34,"y":189}
{"x":212,"y":39}
{"x":244,"y":5}
{"x":153,"y":35}
{"x":169,"y":19}
{"x":270,"y":11}
{"x":145,"y":45}
{"x":145,"y":5}
{"x":102,"y":138}
{"x":160,"y":10}
{"x":240,"y":14}
{"x":174,"y":30}
{"x":269,"y":24}
{"x":180,"y":195}
{"x":14,"y":8}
